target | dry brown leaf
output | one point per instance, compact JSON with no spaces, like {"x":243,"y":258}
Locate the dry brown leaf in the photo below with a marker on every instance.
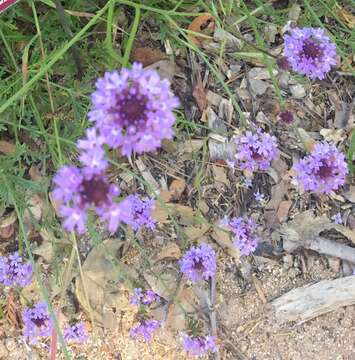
{"x":6,"y":147}
{"x":169,"y":252}
{"x":7,"y":225}
{"x":223,"y":239}
{"x":165,"y":68}
{"x":177,"y":187}
{"x":11,"y":310}
{"x":219,"y":173}
{"x":200,"y":95}
{"x":147,"y":55}
{"x":192,"y":145}
{"x":195,"y":232}
{"x":201,"y":24}
{"x":282,"y":212}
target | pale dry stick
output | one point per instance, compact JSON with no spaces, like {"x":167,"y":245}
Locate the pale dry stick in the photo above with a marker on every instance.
{"x":212,"y":311}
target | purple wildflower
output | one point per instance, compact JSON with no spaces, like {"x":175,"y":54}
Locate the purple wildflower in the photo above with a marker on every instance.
{"x":133,"y":109}
{"x":76,"y":333}
{"x":310,"y":52}
{"x":141,"y":297}
{"x":255,"y":151}
{"x":37,"y":322}
{"x":198,"y":345}
{"x":81,"y":189}
{"x":145,"y":329}
{"x":92,"y":152}
{"x":245,"y":238}
{"x":323,"y":170}
{"x":259,"y":196}
{"x":199,"y":263}
{"x":337,"y":218}
{"x":283,"y":63}
{"x":286,"y":117}
{"x":140,"y":212}
{"x":14,"y":271}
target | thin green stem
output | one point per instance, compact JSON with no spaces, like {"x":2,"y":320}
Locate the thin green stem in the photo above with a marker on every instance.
{"x":132,"y":35}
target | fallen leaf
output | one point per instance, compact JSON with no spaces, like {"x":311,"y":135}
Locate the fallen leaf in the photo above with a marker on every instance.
{"x":147,"y":56}
{"x":200,"y":95}
{"x":11,"y":310}
{"x":219,"y":173}
{"x":165,"y":68}
{"x":177,"y":187}
{"x":201,"y":24}
{"x":346,"y":16}
{"x":223,"y":239}
{"x":192,"y":145}
{"x":195,"y":232}
{"x":7,"y":225}
{"x":169,"y":252}
{"x":100,"y":290}
{"x":6,"y":147}
{"x":282,"y":212}
{"x":230,"y":42}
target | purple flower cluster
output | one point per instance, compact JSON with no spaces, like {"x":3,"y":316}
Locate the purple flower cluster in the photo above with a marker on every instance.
{"x":133,"y":109}
{"x":75,"y":333}
{"x":140,"y":211}
{"x":309,"y":51}
{"x":198,"y":345}
{"x":145,"y":329}
{"x":36,"y":322}
{"x":323,"y":171}
{"x":141,"y":297}
{"x":255,"y":151}
{"x":244,"y":231}
{"x":79,"y":190}
{"x":14,"y":271}
{"x":199,"y":263}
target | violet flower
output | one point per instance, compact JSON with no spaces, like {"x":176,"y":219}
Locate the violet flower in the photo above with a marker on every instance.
{"x":141,"y":297}
{"x":323,"y":171}
{"x":140,"y":211}
{"x":133,"y":109}
{"x":14,"y":271}
{"x":310,"y":52}
{"x":199,"y":263}
{"x":37,"y":322}
{"x":75,"y":333}
{"x":337,"y":218}
{"x":198,"y":345}
{"x":255,"y":151}
{"x":82,"y":189}
{"x":145,"y":329}
{"x":244,"y":234}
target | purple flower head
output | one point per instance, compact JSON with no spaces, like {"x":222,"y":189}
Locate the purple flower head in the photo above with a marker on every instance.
{"x":14,"y":271}
{"x":198,"y":345}
{"x":92,"y":152}
{"x":140,"y":211}
{"x":255,"y":151}
{"x":145,"y":329}
{"x":244,"y":231}
{"x":286,"y":117}
{"x":82,"y":189}
{"x":259,"y":196}
{"x":133,"y":109}
{"x":323,"y":171}
{"x":310,"y":52}
{"x":75,"y":333}
{"x":337,"y":218}
{"x":199,"y":263}
{"x":141,"y":297}
{"x":36,"y":322}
